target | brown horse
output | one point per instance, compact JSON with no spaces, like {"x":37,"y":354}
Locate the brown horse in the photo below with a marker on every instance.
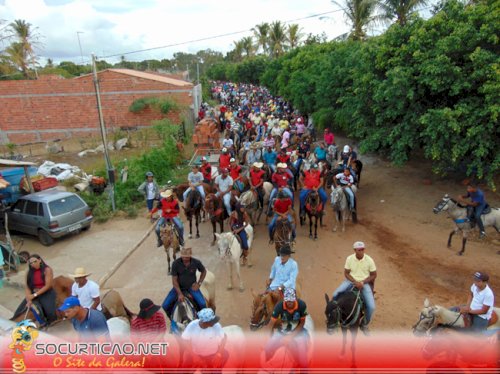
{"x":194,"y":205}
{"x":314,"y":210}
{"x":262,"y":308}
{"x":111,"y":301}
{"x":282,"y":234}
{"x":216,"y":211}
{"x":170,"y":240}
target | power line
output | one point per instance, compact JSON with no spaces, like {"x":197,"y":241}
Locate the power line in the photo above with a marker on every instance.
{"x":215,"y":36}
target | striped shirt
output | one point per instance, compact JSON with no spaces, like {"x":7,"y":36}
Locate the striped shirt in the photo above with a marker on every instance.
{"x":149,"y":329}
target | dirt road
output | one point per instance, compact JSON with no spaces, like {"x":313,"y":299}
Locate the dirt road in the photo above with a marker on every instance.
{"x":406,"y":240}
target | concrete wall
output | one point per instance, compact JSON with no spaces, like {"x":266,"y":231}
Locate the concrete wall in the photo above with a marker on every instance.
{"x":49,"y":109}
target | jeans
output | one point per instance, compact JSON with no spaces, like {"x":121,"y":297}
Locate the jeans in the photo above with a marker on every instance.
{"x":478,"y":210}
{"x":244,"y":239}
{"x":272,"y":225}
{"x":227,"y":201}
{"x":150,"y":203}
{"x":172,"y":296}
{"x":239,"y":186}
{"x":178,"y":224}
{"x":274,"y":192}
{"x":298,"y":347}
{"x":188,"y":190}
{"x":303,"y":195}
{"x":366,"y":293}
{"x":350,"y":194}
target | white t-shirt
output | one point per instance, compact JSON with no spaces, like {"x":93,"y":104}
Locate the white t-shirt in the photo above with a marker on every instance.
{"x":480,"y":298}
{"x":86,"y":294}
{"x":344,"y":180}
{"x":150,"y":191}
{"x":224,"y":184}
{"x":227,"y":143}
{"x":205,"y":342}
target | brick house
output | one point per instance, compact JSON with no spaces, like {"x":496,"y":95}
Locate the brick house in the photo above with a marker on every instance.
{"x":56,"y":108}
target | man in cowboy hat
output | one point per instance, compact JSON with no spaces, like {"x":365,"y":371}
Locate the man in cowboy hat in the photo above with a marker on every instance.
{"x":282,"y":209}
{"x":284,"y":271}
{"x":169,"y":207}
{"x":287,"y":328}
{"x":257,"y":181}
{"x":311,"y":181}
{"x":206,"y":170}
{"x":86,"y":290}
{"x":149,"y":324}
{"x":89,"y":323}
{"x":205,"y":341}
{"x":184,"y":281}
{"x":360,"y":272}
{"x":280,"y":181}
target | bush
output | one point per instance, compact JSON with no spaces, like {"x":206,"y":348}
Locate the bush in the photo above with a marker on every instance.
{"x":163,"y":104}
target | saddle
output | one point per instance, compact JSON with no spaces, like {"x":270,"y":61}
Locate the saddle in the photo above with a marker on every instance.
{"x":471,"y":216}
{"x":467,"y":319}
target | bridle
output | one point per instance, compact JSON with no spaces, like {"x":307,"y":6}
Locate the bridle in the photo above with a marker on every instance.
{"x":266,"y":316}
{"x":228,"y":253}
{"x":338,"y":314}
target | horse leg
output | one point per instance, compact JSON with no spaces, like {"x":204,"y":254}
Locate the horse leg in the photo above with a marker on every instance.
{"x":354,"y":334}
{"x":168,"y":258}
{"x":464,"y":241}
{"x":190,"y":227}
{"x":316,"y":218}
{"x":449,"y":238}
{"x":237,"y":266}
{"x":310,"y":227}
{"x":344,"y":218}
{"x":335,"y":224}
{"x":230,"y":268}
{"x":214,"y":230}
{"x":344,"y":341}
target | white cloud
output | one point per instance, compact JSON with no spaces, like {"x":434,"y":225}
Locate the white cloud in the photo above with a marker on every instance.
{"x":118,"y":26}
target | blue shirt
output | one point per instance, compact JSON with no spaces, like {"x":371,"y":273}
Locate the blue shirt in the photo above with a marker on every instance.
{"x":320,"y":153}
{"x":283,"y":274}
{"x":477,"y":197}
{"x":93,"y":327}
{"x":270,"y":157}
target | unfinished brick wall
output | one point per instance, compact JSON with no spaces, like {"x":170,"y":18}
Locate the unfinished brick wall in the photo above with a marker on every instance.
{"x":48,"y":109}
{"x":206,"y":134}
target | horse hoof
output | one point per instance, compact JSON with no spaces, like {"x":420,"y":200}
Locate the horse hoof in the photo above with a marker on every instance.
{"x":315,"y":238}
{"x":190,"y":236}
{"x":460,"y":253}
{"x":310,"y":236}
{"x":229,"y":288}
{"x":212,"y":244}
{"x":197,"y":236}
{"x":242,"y":289}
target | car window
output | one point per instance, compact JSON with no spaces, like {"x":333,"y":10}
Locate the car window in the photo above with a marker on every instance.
{"x":65,"y":205}
{"x":40,"y":210}
{"x":19,"y":206}
{"x":31,"y":208}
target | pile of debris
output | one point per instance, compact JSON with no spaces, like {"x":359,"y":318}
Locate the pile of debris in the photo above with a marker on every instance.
{"x":118,"y":145}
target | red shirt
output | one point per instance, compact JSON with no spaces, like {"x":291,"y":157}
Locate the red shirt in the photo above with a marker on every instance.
{"x":256,"y":176}
{"x":234,"y":171}
{"x":280,"y":179}
{"x":248,"y":125}
{"x":281,"y":206}
{"x":329,"y":138}
{"x":284,"y":158}
{"x":206,"y":170}
{"x":224,"y":160}
{"x":312,"y":179}
{"x":165,"y":204}
{"x":37,"y":279}
{"x":150,"y":328}
{"x":223,"y":109}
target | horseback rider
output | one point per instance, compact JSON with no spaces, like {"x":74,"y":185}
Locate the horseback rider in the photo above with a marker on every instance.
{"x":280,"y":181}
{"x":478,"y":204}
{"x":479,"y":303}
{"x":287,"y":328}
{"x":206,"y":170}
{"x":257,"y":181}
{"x":149,"y":188}
{"x":345,"y":180}
{"x":184,"y":282}
{"x":195,"y":179}
{"x":269,"y":141}
{"x":311,"y":180}
{"x":169,"y":207}
{"x":320,"y":152}
{"x":235,"y":174}
{"x":284,"y":271}
{"x":224,"y":159}
{"x":360,"y":272}
{"x":284,"y":158}
{"x":328,"y":137}
{"x":348,"y":156}
{"x":228,"y":143}
{"x":269,"y":158}
{"x":238,"y":221}
{"x":282,"y":210}
{"x":223,"y":185}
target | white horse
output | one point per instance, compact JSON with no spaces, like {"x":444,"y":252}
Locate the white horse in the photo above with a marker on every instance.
{"x":458,"y":213}
{"x":283,"y":361}
{"x":340,"y":206}
{"x":433,"y":315}
{"x":230,"y":251}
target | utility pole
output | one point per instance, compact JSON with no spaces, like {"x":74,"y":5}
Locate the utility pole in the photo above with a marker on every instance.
{"x":109,"y":167}
{"x":197,"y":72}
{"x":80,"y":44}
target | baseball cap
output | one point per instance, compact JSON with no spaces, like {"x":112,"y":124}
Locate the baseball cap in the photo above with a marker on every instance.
{"x":69,"y":302}
{"x":207,"y":315}
{"x":358,"y":245}
{"x":289,"y":295}
{"x":481,"y":276}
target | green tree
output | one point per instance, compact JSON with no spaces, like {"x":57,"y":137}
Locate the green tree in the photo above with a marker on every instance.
{"x":360,"y":14}
{"x":400,"y":10}
{"x":261,"y":33}
{"x":22,"y":51}
{"x":247,"y":46}
{"x":277,"y":39}
{"x":238,"y":50}
{"x":294,"y":36}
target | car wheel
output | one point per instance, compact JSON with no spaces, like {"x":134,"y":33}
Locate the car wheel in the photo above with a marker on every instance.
{"x":45,"y":238}
{"x":86,"y":228}
{"x":24,"y":257}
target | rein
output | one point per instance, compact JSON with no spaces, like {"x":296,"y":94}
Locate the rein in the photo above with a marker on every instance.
{"x":264,"y":321}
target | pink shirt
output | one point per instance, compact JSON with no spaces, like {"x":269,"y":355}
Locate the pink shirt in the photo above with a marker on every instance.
{"x":329,"y":138}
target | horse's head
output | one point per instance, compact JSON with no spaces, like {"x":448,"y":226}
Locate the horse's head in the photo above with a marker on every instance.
{"x":333,"y":315}
{"x":442,"y":205}
{"x":167,"y":234}
{"x":224,"y":242}
{"x":262,"y":308}
{"x":210,"y":203}
{"x":183,"y":314}
{"x":193,"y":201}
{"x":337,"y":195}
{"x":427,"y":319}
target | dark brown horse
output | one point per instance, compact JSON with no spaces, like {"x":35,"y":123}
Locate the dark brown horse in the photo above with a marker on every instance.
{"x":282,"y":234}
{"x":314,"y":209}
{"x":216,"y":211}
{"x":194,"y":206}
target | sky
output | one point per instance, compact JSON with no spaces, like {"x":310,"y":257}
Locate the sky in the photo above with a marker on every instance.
{"x":116,"y":27}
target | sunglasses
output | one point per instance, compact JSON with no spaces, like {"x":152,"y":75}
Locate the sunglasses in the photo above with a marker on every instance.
{"x":359,"y":249}
{"x":33,"y":262}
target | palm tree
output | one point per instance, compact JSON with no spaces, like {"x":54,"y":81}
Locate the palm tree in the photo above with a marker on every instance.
{"x":400,"y":9}
{"x":277,"y":39}
{"x":247,"y":45}
{"x":261,"y":33}
{"x":22,"y":50}
{"x":360,"y":14}
{"x":294,"y":36}
{"x":238,"y":50}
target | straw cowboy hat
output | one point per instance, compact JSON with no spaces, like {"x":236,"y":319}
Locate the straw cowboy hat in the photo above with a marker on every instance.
{"x":258,"y":165}
{"x":186,"y":252}
{"x":281,"y":165}
{"x":166,"y":193}
{"x":80,"y":273}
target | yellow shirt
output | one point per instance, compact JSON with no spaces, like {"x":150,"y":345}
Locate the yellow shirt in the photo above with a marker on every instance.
{"x":284,"y":123}
{"x":360,"y":269}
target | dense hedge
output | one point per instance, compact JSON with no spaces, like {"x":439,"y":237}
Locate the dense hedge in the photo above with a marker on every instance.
{"x":432,"y":85}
